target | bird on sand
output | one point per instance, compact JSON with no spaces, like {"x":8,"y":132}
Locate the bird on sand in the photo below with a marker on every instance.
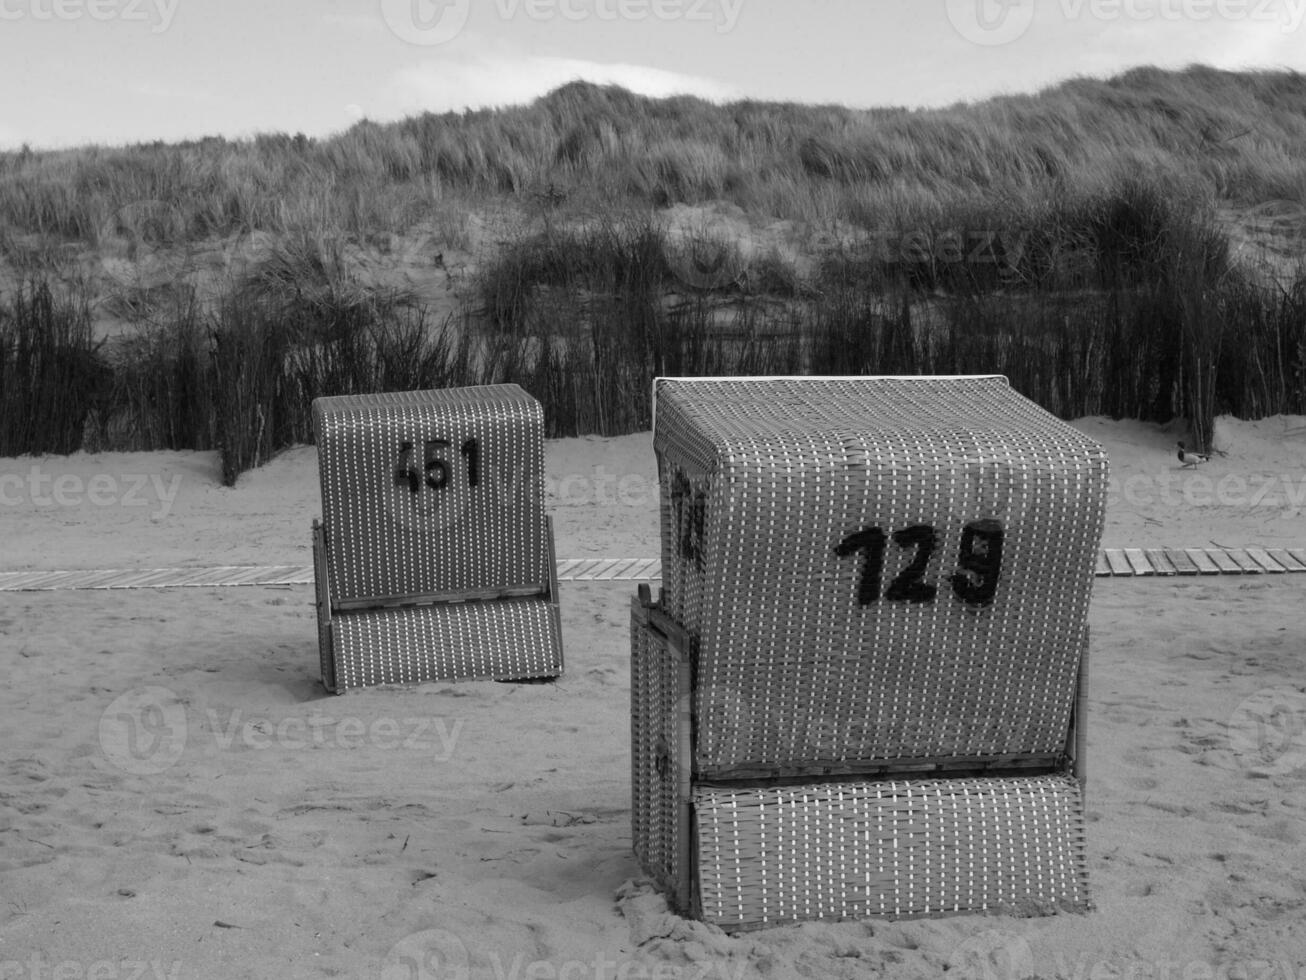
{"x":1190,"y":458}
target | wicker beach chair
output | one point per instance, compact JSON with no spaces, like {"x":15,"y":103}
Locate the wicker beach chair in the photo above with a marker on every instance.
{"x":434,"y":557}
{"x":861,"y":690}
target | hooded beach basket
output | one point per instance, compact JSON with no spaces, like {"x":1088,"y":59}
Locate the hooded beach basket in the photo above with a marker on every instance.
{"x":861,"y":690}
{"x":434,"y":557}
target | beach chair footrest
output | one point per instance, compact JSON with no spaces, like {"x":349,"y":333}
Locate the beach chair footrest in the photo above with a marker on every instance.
{"x":899,"y":848}
{"x":504,"y":639}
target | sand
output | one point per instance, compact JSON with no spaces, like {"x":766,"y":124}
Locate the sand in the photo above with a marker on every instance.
{"x":180,"y":798}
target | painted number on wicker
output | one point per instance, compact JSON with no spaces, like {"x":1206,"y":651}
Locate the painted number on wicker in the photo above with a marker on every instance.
{"x":978,"y":565}
{"x":689,"y":512}
{"x":436,"y":469}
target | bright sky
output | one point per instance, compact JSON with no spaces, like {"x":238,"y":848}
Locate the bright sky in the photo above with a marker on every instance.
{"x":117,"y":71}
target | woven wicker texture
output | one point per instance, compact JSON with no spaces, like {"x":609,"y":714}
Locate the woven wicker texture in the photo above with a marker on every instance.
{"x":505,"y":638}
{"x":773,"y":494}
{"x":432,"y":491}
{"x":655,"y":750}
{"x":771,"y":856}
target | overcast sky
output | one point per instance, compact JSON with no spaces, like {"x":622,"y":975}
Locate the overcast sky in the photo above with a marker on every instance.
{"x":74,"y":72}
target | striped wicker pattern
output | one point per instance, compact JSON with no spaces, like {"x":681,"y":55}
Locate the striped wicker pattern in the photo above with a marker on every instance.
{"x":784,"y":854}
{"x":407,"y":645}
{"x":763,"y":480}
{"x":391,"y":532}
{"x":656,"y":762}
{"x":864,"y":577}
{"x":434,"y":557}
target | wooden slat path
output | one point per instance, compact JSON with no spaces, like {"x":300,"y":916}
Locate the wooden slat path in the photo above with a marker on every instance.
{"x":609,"y":569}
{"x":1183,"y":565}
{"x":1138,"y":562}
{"x":1111,"y":562}
{"x":1263,"y":559}
{"x":1202,"y":560}
{"x":1157,"y":559}
{"x":1284,"y":557}
{"x":1116,"y":560}
{"x":1224,"y":561}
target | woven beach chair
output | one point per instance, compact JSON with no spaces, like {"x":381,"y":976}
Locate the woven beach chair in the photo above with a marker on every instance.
{"x":434,"y":558}
{"x":861,"y":690}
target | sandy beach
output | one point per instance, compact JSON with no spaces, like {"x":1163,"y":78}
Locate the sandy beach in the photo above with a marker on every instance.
{"x":180,"y":798}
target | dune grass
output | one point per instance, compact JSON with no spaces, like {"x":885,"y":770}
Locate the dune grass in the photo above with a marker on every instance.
{"x":1067,"y":239}
{"x":1239,"y":136}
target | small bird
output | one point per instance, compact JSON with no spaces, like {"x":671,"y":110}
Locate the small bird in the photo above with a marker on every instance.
{"x":1190,"y":458}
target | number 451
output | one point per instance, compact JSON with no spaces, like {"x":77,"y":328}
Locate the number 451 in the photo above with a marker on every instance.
{"x":978,"y":565}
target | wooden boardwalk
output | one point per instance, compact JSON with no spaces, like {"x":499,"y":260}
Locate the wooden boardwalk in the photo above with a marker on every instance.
{"x":1111,"y":562}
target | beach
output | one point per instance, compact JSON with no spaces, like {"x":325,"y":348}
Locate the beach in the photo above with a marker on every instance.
{"x":180,"y":797}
